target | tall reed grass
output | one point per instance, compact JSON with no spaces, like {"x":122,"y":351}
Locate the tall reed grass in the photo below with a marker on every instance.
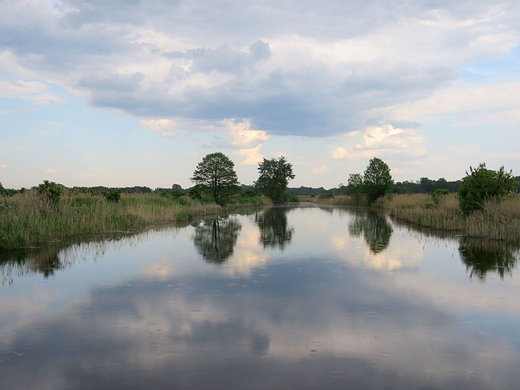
{"x":28,"y":219}
{"x":499,"y":220}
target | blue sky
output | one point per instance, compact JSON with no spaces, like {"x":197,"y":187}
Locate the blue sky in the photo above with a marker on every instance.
{"x":124,"y":93}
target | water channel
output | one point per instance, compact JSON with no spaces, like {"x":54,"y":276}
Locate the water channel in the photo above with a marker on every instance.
{"x":281,"y":298}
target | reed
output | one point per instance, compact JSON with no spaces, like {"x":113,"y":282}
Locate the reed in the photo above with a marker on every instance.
{"x":27,"y":219}
{"x":339,"y":200}
{"x":499,"y":220}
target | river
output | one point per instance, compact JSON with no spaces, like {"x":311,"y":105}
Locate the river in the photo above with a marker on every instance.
{"x":282,"y":298}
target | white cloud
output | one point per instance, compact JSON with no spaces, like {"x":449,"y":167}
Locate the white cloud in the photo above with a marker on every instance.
{"x":50,"y":171}
{"x":491,"y":104}
{"x":35,"y":91}
{"x":385,"y":141}
{"x":252,"y":155}
{"x":242,"y":135}
{"x":3,"y":166}
{"x":161,"y":126}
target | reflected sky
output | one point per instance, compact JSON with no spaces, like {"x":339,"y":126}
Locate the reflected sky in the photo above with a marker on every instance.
{"x":376,"y":307}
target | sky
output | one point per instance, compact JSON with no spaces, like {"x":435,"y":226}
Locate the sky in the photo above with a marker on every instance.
{"x":136,"y":92}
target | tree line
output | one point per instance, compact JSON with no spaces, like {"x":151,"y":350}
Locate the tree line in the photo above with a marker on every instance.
{"x":215,"y":180}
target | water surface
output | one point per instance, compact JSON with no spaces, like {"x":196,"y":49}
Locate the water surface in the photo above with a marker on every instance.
{"x":283,"y":298}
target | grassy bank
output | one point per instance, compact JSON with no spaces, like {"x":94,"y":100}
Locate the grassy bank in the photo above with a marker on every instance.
{"x":500,"y":220}
{"x":28,"y":220}
{"x":340,"y":200}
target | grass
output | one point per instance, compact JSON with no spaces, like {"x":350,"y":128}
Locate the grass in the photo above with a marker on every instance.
{"x":339,"y":200}
{"x":500,"y":220}
{"x":28,"y":220}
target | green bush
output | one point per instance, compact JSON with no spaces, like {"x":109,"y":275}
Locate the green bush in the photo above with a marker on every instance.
{"x":328,"y":195}
{"x":290,"y":197}
{"x":49,"y":191}
{"x":113,"y":195}
{"x":438,"y":194}
{"x":483,"y":184}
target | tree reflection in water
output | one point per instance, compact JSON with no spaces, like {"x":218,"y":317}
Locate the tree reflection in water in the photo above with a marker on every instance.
{"x":216,"y":239}
{"x":60,"y":255}
{"x":374,"y":228}
{"x":274,"y":230}
{"x":483,"y":256}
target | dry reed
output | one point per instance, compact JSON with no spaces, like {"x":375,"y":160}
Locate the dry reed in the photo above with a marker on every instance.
{"x":500,"y":220}
{"x":26,"y":219}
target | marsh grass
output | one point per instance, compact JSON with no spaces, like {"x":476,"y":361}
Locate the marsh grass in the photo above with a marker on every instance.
{"x":339,"y":200}
{"x":499,"y":220}
{"x":28,"y":219}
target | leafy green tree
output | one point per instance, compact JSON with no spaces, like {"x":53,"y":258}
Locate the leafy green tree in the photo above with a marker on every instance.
{"x":49,"y":191}
{"x":113,"y":195}
{"x":355,"y":186}
{"x":483,"y":184}
{"x":377,"y":180}
{"x":215,"y":175}
{"x":274,"y":175}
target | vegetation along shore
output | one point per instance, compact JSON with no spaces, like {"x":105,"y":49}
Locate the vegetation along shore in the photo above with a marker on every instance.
{"x":483,"y":204}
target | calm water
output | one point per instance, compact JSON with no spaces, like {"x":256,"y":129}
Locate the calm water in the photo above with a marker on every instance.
{"x":286,"y":298}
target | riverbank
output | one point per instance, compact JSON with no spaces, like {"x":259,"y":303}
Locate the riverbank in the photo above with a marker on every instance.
{"x":500,"y":220}
{"x":28,"y":220}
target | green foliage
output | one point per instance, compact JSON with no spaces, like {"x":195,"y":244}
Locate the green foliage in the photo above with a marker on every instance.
{"x":328,"y":195}
{"x":439,"y":194}
{"x":291,"y":197}
{"x":377,"y":180}
{"x":215,"y":175}
{"x":113,"y":195}
{"x":483,"y":184}
{"x":274,"y":175}
{"x":425,"y":186}
{"x":307,"y":191}
{"x":355,"y":186}
{"x":50,"y":192}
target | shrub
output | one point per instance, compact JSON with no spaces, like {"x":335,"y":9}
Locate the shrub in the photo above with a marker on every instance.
{"x":113,"y":195}
{"x":49,"y":191}
{"x":328,"y":195}
{"x":483,"y":184}
{"x":439,"y":194}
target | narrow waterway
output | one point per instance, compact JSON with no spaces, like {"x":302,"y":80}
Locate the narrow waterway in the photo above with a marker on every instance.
{"x":283,"y":298}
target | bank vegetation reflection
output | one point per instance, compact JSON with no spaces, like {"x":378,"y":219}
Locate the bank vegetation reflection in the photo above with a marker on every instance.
{"x":480,"y":256}
{"x":275,"y":231}
{"x":375,"y":230}
{"x":215,"y":239}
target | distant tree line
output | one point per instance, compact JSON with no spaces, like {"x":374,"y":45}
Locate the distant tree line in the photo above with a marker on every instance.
{"x":216,"y":175}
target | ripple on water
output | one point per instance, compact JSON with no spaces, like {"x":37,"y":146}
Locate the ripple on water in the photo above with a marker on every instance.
{"x":337,"y":374}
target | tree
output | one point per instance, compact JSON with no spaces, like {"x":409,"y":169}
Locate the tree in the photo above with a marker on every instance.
{"x":216,"y":176}
{"x":355,"y":187}
{"x":113,"y":195}
{"x":377,"y":180}
{"x":274,"y":175}
{"x":50,"y":192}
{"x":483,"y":184}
